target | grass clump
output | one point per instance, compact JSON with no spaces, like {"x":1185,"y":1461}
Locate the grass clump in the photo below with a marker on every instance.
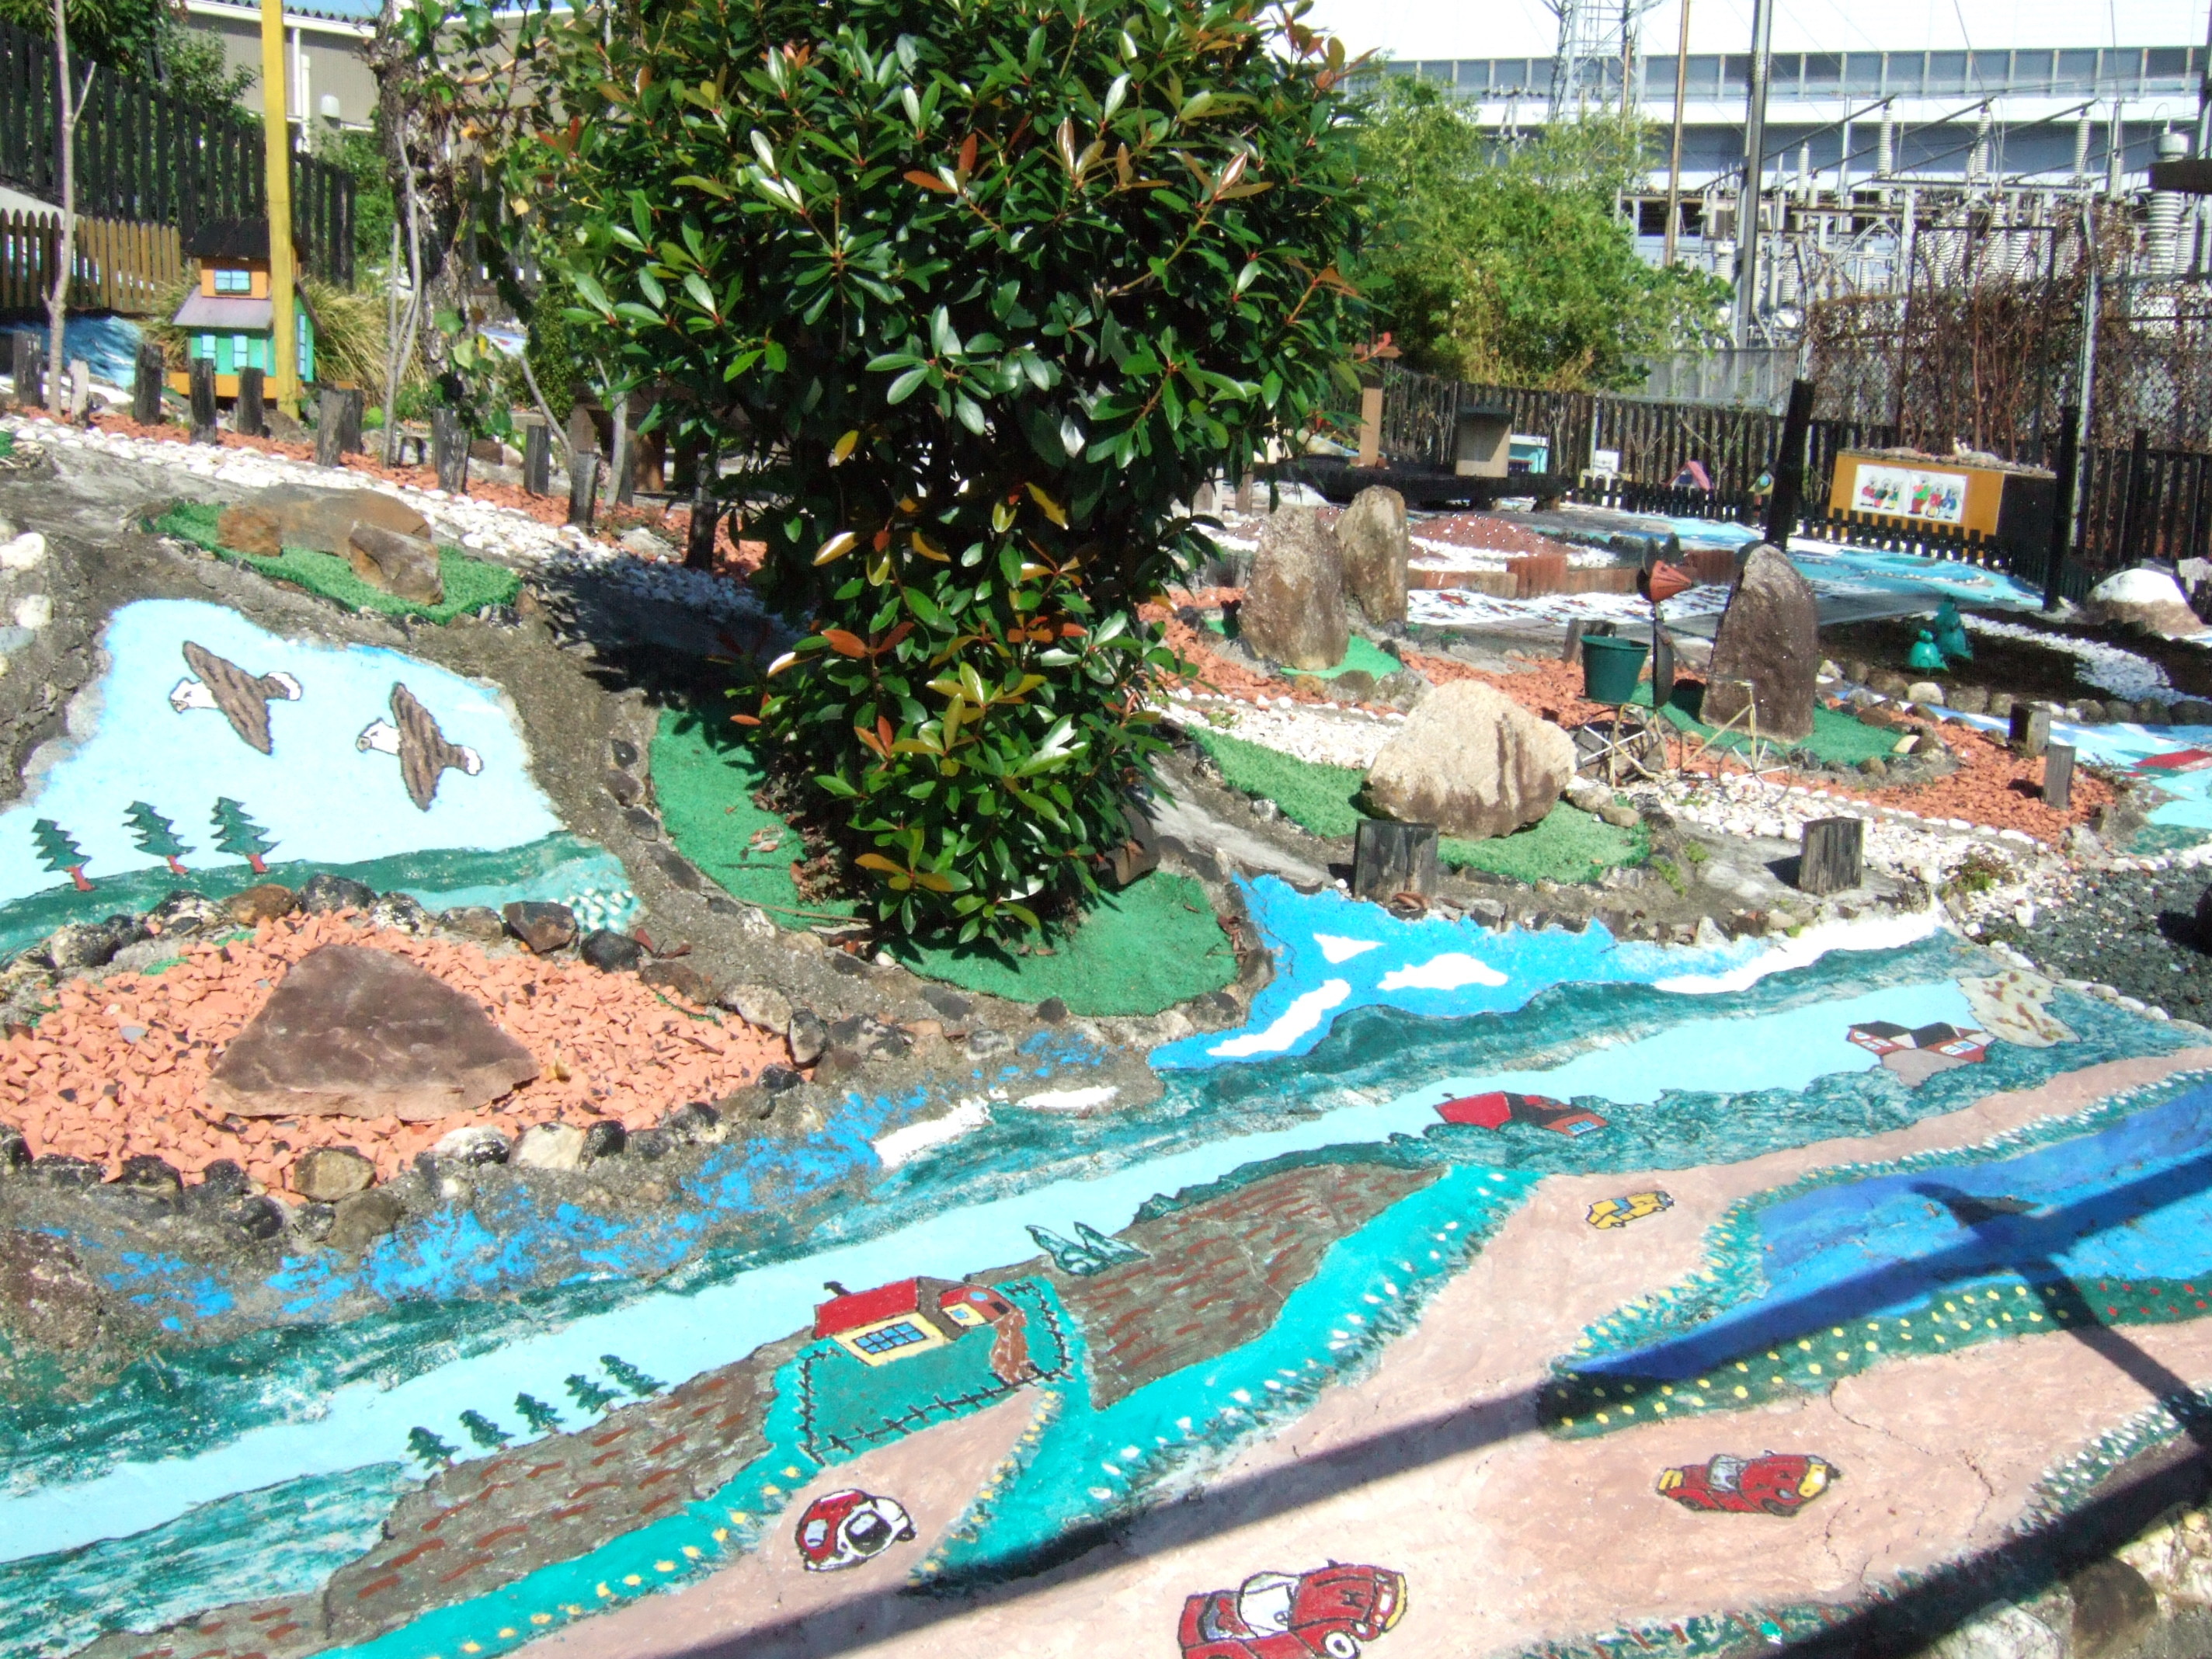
{"x":1141,"y":950}
{"x":1837,"y":741}
{"x":1138,"y":952}
{"x":470,"y":584}
{"x":1568,"y":845}
{"x":704,"y":778}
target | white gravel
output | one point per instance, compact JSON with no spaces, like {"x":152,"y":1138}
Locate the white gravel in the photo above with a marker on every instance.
{"x":2108,"y":667}
{"x":1329,"y":734}
{"x":500,"y":533}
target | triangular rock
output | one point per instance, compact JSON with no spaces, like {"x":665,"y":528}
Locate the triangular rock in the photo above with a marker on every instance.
{"x":364,"y":1033}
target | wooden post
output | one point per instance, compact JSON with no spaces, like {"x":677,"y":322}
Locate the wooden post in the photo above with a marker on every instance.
{"x":246,"y":415}
{"x":449,"y":445}
{"x":2031,"y":730}
{"x":2061,"y":512}
{"x":351,"y":398}
{"x":706,"y":513}
{"x":1389,"y":858}
{"x":146,"y":385}
{"x":1790,"y":466}
{"x":330,"y":419}
{"x":277,"y":168}
{"x":583,"y":486}
{"x":1662,"y":666}
{"x":536,"y":456}
{"x":1572,"y":651}
{"x":2058,"y":776}
{"x":204,"y":430}
{"x":1829,"y":861}
{"x":1370,"y":425}
{"x":29,"y":370}
{"x":80,"y":391}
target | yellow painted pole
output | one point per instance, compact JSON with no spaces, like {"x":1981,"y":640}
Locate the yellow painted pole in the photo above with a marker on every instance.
{"x":283,"y":343}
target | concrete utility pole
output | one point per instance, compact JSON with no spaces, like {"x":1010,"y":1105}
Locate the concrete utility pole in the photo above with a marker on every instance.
{"x":1675,"y":153}
{"x":1755,"y":169}
{"x":276,"y":138}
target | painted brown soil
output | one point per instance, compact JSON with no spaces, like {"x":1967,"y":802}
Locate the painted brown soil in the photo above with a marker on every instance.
{"x":121,"y":1067}
{"x":1216,"y":1272}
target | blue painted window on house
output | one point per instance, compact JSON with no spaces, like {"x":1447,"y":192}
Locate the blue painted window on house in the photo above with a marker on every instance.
{"x":901,"y":1335}
{"x":241,"y":352}
{"x":233,"y":281}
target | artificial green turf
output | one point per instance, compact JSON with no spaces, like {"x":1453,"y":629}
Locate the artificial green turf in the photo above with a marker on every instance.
{"x":1362,"y":653}
{"x":470,"y":584}
{"x":1141,"y":950}
{"x":1838,"y":739}
{"x":1138,"y":952}
{"x":703,"y":777}
{"x":1567,"y":845}
{"x":1318,"y":797}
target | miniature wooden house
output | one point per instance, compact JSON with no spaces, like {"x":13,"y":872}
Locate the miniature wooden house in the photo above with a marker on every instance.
{"x":227,"y":319}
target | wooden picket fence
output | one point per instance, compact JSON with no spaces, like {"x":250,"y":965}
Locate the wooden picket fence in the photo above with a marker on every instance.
{"x":118,"y":265}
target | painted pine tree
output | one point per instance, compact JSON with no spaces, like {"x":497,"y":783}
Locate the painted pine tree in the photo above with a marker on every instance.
{"x":629,"y":1377}
{"x":589,"y":1395}
{"x":155,"y":833}
{"x":59,"y":854}
{"x":541,"y":1416}
{"x":485,"y":1432}
{"x":428,"y":1449}
{"x":238,"y":834}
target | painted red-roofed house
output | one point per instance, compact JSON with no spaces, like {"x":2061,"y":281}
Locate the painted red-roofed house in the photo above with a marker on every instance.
{"x":913,"y":1315}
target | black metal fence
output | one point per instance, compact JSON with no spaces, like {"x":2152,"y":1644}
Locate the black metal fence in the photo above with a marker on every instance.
{"x":2137,"y":502}
{"x":145,"y":155}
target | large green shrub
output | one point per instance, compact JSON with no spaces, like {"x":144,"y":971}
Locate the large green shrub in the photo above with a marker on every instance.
{"x":979,"y":289}
{"x":1498,"y":262}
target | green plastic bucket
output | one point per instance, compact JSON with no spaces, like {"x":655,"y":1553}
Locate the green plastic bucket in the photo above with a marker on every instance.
{"x":1610,"y":668}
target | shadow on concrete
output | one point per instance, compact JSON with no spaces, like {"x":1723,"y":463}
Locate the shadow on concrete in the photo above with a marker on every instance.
{"x":1900,"y":1622}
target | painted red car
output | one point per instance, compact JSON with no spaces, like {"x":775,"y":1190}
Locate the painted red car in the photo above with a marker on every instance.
{"x":1294,"y":1615}
{"x":842,"y":1530}
{"x":1498,"y":1108}
{"x":1775,"y":1483}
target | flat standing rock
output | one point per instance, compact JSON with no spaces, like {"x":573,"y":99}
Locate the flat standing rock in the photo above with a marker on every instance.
{"x":363,"y":1033}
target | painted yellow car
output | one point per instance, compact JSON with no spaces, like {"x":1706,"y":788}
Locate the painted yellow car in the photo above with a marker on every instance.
{"x":1630,"y":1206}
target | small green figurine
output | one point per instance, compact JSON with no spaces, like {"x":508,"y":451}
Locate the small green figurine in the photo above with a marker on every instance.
{"x":1925,"y":654}
{"x":1951,"y":634}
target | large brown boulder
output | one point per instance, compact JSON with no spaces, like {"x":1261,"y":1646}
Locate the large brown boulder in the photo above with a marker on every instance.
{"x":1770,"y":635}
{"x":1372,"y":533}
{"x":315,"y":518}
{"x":2148,"y":599}
{"x":1472,"y":761}
{"x":364,"y":1033}
{"x":1293,"y":609}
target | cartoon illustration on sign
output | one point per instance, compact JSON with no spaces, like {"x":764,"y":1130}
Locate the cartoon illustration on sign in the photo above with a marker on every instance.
{"x":412,"y":734}
{"x":59,"y":853}
{"x":1331,"y":1611}
{"x":240,"y":836}
{"x":1908,"y":493}
{"x":1497,"y":1109}
{"x":843,"y":1530}
{"x":218,"y":682}
{"x":1773,"y":1483}
{"x":1611,"y":1212}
